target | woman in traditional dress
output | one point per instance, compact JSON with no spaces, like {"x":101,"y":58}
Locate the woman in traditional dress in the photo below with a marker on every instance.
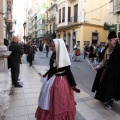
{"x":56,"y":100}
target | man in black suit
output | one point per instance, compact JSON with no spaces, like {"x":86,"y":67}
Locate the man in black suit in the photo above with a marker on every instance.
{"x":16,"y":52}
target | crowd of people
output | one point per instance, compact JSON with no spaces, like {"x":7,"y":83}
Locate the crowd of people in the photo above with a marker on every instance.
{"x":56,"y":99}
{"x":94,"y":52}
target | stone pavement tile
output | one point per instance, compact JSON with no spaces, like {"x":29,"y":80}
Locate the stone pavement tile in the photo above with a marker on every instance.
{"x":94,"y":103}
{"x":41,"y":67}
{"x":76,"y":97}
{"x":42,"y":72}
{"x":9,"y":112}
{"x":34,"y":80}
{"x":87,"y":98}
{"x":90,"y":114}
{"x":18,"y":97}
{"x":82,"y":106}
{"x":78,"y":100}
{"x":116,"y":107}
{"x":29,"y":95}
{"x":24,"y":80}
{"x":100,"y":119}
{"x":28,"y":90}
{"x":18,"y":118}
{"x":33,"y":101}
{"x":37,"y":94}
{"x":79,"y":116}
{"x":27,"y":86}
{"x":103,"y":112}
{"x":34,"y":83}
{"x":32,"y":109}
{"x":17,"y":91}
{"x":82,"y":94}
{"x":36,"y":89}
{"x":113,"y":117}
{"x":17,"y":103}
{"x":20,"y":111}
{"x":36,"y":86}
{"x":32,"y":117}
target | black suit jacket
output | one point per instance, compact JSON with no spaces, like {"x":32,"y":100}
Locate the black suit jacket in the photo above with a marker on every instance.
{"x":16,"y":52}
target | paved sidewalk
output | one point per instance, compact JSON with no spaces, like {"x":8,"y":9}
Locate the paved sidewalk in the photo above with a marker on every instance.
{"x":24,"y":100}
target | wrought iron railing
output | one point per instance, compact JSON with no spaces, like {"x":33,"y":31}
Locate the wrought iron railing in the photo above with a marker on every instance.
{"x":117,"y":8}
{"x":51,"y":18}
{"x":74,"y":19}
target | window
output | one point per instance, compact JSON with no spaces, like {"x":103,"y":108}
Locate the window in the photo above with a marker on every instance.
{"x":50,"y":28}
{"x":60,"y":16}
{"x":116,"y":6}
{"x":75,"y":13}
{"x":69,"y":14}
{"x":63,"y":15}
{"x":53,"y":26}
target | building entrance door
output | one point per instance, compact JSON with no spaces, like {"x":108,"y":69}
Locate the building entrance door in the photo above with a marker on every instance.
{"x":94,"y":38}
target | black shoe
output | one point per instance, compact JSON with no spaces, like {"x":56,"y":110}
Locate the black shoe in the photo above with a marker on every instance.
{"x":109,"y":105}
{"x":30,"y":65}
{"x":18,"y":86}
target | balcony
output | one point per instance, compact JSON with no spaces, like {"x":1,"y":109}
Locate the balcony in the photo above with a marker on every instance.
{"x":8,"y":17}
{"x":52,"y":18}
{"x":74,"y":20}
{"x":46,"y":22}
{"x":51,"y":7}
{"x":51,"y":34}
{"x":117,"y":9}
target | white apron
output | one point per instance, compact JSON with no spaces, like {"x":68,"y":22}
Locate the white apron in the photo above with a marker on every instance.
{"x":44,"y":97}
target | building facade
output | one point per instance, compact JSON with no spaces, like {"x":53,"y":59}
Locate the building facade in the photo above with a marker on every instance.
{"x":78,"y":27}
{"x":5,"y":82}
{"x":51,"y":19}
{"x":35,"y":19}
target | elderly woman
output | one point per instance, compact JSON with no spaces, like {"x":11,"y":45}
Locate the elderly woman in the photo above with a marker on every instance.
{"x":56,"y":100}
{"x":107,"y":80}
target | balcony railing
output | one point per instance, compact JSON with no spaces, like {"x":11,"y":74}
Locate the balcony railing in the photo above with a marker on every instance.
{"x":74,"y":19}
{"x":51,"y":34}
{"x":46,"y":22}
{"x":117,"y":8}
{"x":52,"y":18}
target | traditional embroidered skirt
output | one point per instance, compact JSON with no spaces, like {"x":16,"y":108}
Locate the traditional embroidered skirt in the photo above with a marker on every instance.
{"x":60,"y":99}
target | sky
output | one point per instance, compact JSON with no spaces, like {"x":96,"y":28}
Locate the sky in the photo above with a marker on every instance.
{"x":18,"y":13}
{"x":18,"y":9}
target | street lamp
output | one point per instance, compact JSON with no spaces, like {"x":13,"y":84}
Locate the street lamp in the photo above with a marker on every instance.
{"x":24,"y":25}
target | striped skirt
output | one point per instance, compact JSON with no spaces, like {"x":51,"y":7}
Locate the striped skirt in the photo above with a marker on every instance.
{"x":61,"y":103}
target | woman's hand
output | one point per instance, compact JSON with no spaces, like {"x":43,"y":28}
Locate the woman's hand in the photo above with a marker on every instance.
{"x":77,"y":90}
{"x":44,"y":75}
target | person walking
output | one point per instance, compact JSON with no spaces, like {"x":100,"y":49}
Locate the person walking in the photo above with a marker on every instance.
{"x":16,"y":53}
{"x":86,"y":48}
{"x":107,"y":80}
{"x":47,"y":50}
{"x":56,"y":100}
{"x":30,"y":51}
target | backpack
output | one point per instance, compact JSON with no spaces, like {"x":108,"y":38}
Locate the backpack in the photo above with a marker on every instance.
{"x":77,"y":52}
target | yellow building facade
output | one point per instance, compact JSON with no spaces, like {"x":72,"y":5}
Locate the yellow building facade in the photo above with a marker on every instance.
{"x":80,"y":27}
{"x":82,"y":21}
